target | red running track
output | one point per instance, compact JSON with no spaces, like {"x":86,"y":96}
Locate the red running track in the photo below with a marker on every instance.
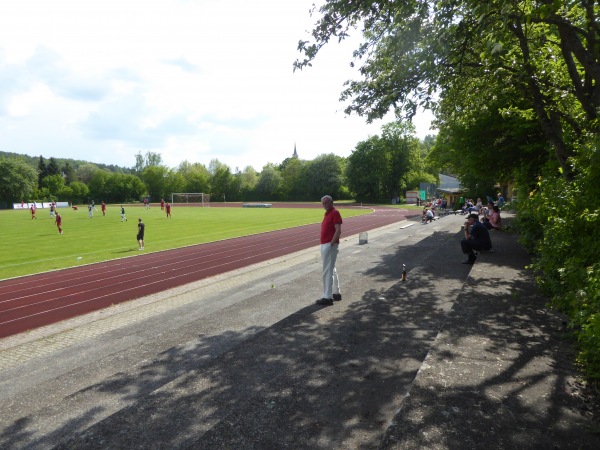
{"x":38,"y":300}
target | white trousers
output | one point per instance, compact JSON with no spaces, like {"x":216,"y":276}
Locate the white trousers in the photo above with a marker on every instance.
{"x":331,"y":283}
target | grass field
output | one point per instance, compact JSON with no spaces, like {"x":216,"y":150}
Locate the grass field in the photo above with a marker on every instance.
{"x":33,"y":246}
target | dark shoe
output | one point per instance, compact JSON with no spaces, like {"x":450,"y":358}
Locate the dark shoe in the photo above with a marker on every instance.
{"x":337,"y":297}
{"x":325,"y":301}
{"x":472,"y":258}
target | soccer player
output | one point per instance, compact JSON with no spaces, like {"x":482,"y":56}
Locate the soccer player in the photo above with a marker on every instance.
{"x":168,"y":208}
{"x":162,"y":204}
{"x":140,"y":233}
{"x":123,"y":218}
{"x":58,"y":220}
{"x":32,"y":209}
{"x":103,"y":208}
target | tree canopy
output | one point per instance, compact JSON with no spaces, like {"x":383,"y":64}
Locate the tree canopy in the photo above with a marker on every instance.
{"x":17,"y":180}
{"x":416,"y":53}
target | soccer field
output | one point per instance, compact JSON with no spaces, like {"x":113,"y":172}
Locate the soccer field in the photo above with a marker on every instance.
{"x":33,"y":246}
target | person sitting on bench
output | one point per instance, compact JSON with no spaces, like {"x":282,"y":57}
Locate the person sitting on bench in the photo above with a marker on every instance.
{"x":427,"y":215}
{"x":494,"y":221}
{"x":477,"y":238}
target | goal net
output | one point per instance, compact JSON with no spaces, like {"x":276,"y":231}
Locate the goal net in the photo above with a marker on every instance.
{"x":197,"y":198}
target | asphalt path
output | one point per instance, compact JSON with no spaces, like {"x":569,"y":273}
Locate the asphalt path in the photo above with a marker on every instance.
{"x":34,"y":301}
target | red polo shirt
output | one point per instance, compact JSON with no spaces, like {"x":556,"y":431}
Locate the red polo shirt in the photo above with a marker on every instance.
{"x":330,"y":220}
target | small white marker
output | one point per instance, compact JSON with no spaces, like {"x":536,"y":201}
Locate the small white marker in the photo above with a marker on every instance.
{"x":79,"y":257}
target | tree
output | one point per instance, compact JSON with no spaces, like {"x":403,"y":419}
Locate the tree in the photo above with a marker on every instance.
{"x":124,"y":188}
{"x":155,"y":179}
{"x":79,"y":192}
{"x":54,"y":184}
{"x":149,"y":160}
{"x":42,"y":171}
{"x":64,"y":194}
{"x":139,"y":163}
{"x":196,"y":177}
{"x":221,"y":180}
{"x":174,"y":182}
{"x":292,"y":172}
{"x":269,"y":183}
{"x":153,"y":159}
{"x":52,"y":167}
{"x":69,"y":172}
{"x":17,"y":180}
{"x":323,"y":176}
{"x":366,"y":169}
{"x":97,"y":185}
{"x":488,"y":134}
{"x":403,"y":150}
{"x":85,"y":172}
{"x":245,"y":183}
{"x":379,"y":167}
{"x":412,"y":50}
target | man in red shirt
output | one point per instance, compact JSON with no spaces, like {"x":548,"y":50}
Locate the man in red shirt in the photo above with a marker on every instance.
{"x":58,"y":220}
{"x":331,"y":229}
{"x":162,"y":204}
{"x":168,"y":207}
{"x":103,"y":208}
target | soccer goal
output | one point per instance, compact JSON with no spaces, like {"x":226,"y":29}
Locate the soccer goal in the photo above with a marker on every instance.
{"x":197,"y":198}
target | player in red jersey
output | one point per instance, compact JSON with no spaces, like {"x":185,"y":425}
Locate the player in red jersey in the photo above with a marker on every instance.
{"x":58,"y":220}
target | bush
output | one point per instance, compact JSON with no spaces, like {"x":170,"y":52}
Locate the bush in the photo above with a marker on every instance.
{"x":560,"y":224}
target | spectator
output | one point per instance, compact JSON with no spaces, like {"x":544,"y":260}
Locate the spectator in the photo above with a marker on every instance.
{"x":428,"y":215}
{"x":477,"y":238}
{"x":500,"y":200}
{"x":476,"y":207}
{"x":494,"y":220}
{"x":331,"y":229}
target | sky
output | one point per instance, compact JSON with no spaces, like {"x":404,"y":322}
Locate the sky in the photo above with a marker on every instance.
{"x":192,"y":80}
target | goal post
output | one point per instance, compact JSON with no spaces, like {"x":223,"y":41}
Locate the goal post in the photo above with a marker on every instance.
{"x":198,"y":198}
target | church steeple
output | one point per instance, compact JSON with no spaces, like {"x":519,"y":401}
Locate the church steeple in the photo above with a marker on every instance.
{"x":295,"y":155}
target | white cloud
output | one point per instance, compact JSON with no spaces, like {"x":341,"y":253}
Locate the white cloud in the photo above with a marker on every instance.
{"x":192,"y":80}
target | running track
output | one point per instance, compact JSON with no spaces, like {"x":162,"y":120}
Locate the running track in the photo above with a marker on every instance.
{"x":46,"y":298}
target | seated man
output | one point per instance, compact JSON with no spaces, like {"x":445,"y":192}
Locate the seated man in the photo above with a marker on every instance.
{"x":477,"y":238}
{"x":427,"y":215}
{"x":467,"y":207}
